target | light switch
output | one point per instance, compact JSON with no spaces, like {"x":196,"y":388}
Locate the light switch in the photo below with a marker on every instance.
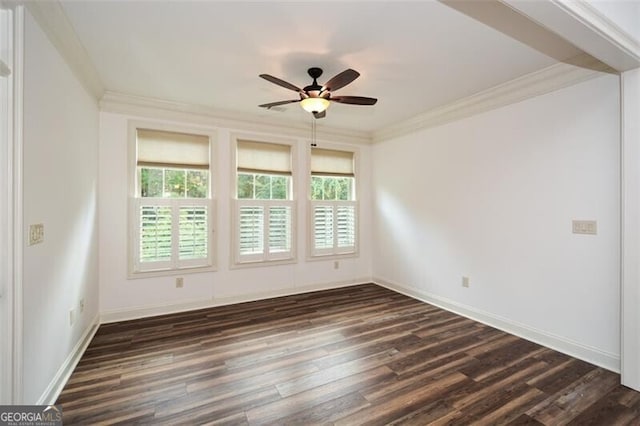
{"x":36,"y":234}
{"x":589,"y":227}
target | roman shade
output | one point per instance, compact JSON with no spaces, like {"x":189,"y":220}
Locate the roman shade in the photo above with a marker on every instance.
{"x":329,"y":162}
{"x":156,"y":148}
{"x":261,"y":157}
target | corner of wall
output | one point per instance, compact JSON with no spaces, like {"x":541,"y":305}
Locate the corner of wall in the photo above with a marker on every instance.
{"x":586,"y":353}
{"x":51,"y":393}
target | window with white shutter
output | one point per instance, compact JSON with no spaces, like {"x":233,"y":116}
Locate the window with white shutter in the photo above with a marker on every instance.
{"x":333,"y":203}
{"x":172,"y":202}
{"x":251,"y":230}
{"x":323,"y":227}
{"x":264,"y":208}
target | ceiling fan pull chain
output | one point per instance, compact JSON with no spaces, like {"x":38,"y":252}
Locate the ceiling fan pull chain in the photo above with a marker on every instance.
{"x":313,"y":133}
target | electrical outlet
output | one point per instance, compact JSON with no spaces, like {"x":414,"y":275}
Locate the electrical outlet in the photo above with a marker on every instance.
{"x":72,"y":316}
{"x":336,"y":264}
{"x":81,"y":304}
{"x":36,"y":234}
{"x":179,"y":282}
{"x":465,"y":282}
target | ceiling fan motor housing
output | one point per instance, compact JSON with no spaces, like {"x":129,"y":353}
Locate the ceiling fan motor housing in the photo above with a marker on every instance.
{"x":314,"y":72}
{"x":314,"y":90}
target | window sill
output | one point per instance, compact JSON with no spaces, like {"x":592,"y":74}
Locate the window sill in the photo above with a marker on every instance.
{"x":135,"y":275}
{"x":321,"y":257}
{"x":262,"y":263}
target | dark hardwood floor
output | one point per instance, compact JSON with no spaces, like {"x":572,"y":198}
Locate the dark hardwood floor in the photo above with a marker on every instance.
{"x":358,"y":355}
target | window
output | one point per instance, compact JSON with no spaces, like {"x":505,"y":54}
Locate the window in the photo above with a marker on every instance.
{"x":172,"y":203}
{"x":333,"y":205}
{"x":264,"y":206}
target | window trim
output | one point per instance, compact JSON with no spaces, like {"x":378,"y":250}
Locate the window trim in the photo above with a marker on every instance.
{"x":311,"y":255}
{"x":134,"y":201}
{"x":234,"y":259}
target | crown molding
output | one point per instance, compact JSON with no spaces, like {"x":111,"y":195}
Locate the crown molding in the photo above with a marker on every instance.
{"x":197,"y":114}
{"x":54,"y":22}
{"x":547,"y":80}
{"x":534,"y":84}
{"x":586,"y":28}
{"x":605,"y":27}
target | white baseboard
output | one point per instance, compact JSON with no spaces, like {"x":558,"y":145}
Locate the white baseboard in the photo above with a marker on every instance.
{"x":149,"y":311}
{"x":51,"y":393}
{"x":586,"y":353}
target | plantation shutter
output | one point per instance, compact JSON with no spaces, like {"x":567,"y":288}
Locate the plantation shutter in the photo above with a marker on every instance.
{"x":279,"y":229}
{"x":251,"y":232}
{"x":346,"y":225}
{"x":323,"y":227}
{"x":329,"y":162}
{"x":156,"y":148}
{"x":261,"y":157}
{"x":193,"y":232}
{"x":155,"y":233}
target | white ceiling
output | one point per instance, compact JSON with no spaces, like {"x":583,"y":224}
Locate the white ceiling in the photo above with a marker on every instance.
{"x":412,"y":56}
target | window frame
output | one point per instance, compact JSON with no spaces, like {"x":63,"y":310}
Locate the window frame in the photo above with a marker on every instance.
{"x":136,"y":269}
{"x":266,"y":258}
{"x":314,"y":254}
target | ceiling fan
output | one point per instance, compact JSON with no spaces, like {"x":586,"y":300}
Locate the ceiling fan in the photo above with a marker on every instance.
{"x":316,"y":98}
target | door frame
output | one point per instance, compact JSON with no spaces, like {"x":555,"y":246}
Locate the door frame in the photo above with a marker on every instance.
{"x":11,"y":230}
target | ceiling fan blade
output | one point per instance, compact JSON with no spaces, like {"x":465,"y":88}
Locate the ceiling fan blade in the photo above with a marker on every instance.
{"x":320,"y":114}
{"x":354,"y":100}
{"x":341,"y":80}
{"x":272,"y":104}
{"x":276,"y":80}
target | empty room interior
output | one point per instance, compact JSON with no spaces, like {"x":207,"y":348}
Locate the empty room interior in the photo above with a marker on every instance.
{"x":346,"y":212}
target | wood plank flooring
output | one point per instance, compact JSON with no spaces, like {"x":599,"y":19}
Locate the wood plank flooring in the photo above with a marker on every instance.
{"x":358,"y":355}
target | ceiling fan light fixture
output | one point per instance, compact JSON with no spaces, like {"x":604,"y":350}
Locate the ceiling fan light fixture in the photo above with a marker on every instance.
{"x":315,"y":98}
{"x":314,"y":105}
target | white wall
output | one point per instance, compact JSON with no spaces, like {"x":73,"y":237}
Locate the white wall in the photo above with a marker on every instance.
{"x":60,"y":191}
{"x":492,"y":197}
{"x":121,"y":297}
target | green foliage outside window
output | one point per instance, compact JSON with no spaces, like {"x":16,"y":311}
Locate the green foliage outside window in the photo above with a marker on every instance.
{"x":331,"y":188}
{"x":173,"y":183}
{"x":254,"y":186}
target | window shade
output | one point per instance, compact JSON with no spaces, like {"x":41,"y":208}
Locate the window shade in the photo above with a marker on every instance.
{"x":168,"y":149}
{"x":331,"y":162}
{"x":263,"y":157}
